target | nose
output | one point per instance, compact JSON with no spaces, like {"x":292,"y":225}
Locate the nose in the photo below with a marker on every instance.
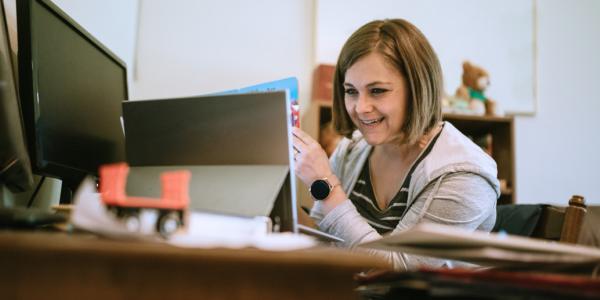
{"x":363,"y":104}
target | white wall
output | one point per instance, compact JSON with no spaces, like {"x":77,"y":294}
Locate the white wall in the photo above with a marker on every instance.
{"x":191,"y":47}
{"x":557,"y":149}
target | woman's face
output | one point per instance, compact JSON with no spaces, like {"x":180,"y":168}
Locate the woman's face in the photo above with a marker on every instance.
{"x":375,"y":98}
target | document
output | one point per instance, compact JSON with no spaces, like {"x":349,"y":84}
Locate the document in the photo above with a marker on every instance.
{"x":491,"y":249}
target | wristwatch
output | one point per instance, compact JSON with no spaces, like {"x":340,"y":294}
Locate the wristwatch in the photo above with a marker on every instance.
{"x":321,"y":188}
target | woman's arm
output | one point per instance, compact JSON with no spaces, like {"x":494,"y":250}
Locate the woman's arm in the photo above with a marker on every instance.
{"x":311,"y":163}
{"x":465,"y":200}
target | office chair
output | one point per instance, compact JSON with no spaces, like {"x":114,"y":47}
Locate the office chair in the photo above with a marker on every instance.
{"x":543,"y":221}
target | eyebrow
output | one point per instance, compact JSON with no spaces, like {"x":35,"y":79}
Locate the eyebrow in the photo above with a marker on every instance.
{"x":370,"y":84}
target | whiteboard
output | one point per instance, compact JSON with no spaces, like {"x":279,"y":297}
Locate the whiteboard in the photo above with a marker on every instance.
{"x":498,"y":35}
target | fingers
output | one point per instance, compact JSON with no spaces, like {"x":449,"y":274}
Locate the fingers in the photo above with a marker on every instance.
{"x":296,"y":150}
{"x":299,"y":145}
{"x":304,"y":145}
{"x":302,"y":136}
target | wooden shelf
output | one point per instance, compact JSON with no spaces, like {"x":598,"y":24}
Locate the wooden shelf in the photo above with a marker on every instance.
{"x":501,"y":130}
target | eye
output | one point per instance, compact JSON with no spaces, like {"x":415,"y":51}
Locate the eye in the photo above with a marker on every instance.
{"x":350,"y":91}
{"x":377,"y":91}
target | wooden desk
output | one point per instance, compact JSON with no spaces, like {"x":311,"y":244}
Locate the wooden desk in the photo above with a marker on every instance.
{"x":36,"y":265}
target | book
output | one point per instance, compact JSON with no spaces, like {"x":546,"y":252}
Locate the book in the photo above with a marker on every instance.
{"x":323,"y":83}
{"x":289,"y":84}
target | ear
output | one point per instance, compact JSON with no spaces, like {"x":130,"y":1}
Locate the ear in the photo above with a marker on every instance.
{"x":466,"y":65}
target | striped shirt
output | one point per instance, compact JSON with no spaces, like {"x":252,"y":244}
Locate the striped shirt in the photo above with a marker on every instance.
{"x":363,"y":197}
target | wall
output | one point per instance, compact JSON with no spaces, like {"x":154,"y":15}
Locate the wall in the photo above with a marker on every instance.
{"x":191,"y":47}
{"x":557,"y":149}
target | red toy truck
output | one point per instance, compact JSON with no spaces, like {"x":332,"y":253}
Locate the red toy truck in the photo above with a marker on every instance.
{"x":171,"y":206}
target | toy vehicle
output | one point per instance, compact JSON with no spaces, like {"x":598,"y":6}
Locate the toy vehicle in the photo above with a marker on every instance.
{"x":171,"y":206}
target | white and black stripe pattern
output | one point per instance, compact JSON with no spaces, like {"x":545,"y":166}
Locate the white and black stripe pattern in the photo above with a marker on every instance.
{"x":383,"y":219}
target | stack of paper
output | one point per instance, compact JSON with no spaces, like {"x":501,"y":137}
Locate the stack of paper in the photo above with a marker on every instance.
{"x":491,"y":249}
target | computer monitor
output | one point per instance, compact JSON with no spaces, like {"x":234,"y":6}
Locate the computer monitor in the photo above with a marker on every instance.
{"x":15,"y":166}
{"x":71,"y":89}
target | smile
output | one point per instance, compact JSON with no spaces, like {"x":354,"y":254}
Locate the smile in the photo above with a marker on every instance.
{"x":371,"y":122}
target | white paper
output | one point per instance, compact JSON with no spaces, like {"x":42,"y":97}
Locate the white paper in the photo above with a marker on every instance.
{"x":449,"y":242}
{"x":205,"y":230}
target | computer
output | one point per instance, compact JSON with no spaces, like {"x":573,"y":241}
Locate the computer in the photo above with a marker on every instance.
{"x":15,"y":166}
{"x":71,"y":89}
{"x":237,"y":146}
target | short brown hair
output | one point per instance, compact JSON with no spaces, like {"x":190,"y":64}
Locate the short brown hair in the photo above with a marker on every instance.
{"x":406,"y":49}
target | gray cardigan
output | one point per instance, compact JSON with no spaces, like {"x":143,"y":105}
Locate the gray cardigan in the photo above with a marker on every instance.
{"x":455,"y":184}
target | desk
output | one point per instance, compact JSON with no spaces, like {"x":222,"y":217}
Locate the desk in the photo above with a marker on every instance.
{"x":35,"y":265}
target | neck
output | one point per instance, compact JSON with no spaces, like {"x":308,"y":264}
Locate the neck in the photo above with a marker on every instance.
{"x":396,"y":151}
{"x":392,"y":150}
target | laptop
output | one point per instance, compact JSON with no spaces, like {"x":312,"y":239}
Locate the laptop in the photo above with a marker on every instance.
{"x":237,"y":146}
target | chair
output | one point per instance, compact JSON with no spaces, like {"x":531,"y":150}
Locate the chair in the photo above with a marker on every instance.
{"x":550,"y":222}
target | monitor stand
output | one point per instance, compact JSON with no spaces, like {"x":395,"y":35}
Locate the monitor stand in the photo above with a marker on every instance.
{"x":66,"y":194}
{"x":21,"y":217}
{"x":68,"y":188}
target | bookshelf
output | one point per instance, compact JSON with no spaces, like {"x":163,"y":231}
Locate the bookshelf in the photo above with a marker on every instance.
{"x":500,"y":131}
{"x":497,"y":131}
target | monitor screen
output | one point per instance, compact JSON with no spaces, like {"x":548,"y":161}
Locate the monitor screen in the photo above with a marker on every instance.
{"x":71,"y":89}
{"x":15,"y":167}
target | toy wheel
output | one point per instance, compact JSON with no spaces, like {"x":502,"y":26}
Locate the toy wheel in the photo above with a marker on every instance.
{"x":114,"y":210}
{"x":132,"y":222}
{"x":168,"y":223}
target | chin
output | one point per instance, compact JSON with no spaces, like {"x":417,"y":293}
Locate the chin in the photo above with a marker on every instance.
{"x":381,"y":139}
{"x":373,"y":140}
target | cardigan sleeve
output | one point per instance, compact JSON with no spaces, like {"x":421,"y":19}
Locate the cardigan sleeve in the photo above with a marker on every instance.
{"x":316,"y":213}
{"x":460,"y":199}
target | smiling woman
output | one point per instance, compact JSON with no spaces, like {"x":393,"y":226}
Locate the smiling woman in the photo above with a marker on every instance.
{"x":398,"y":164}
{"x":376,"y":53}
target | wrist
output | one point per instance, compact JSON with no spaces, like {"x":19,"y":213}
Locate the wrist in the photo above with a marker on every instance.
{"x":337,"y":197}
{"x":323,"y":187}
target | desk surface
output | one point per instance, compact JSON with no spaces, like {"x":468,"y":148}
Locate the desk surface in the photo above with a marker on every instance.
{"x":38,"y":264}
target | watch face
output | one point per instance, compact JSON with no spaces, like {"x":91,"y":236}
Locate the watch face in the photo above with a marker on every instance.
{"x":319,"y":189}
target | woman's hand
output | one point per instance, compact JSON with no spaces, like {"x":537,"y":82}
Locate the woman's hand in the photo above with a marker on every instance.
{"x":311,"y":160}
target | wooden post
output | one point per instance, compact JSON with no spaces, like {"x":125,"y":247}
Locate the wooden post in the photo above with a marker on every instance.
{"x":574,"y":216}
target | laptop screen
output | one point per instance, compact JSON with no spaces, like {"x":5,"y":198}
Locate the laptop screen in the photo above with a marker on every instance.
{"x":238,"y":147}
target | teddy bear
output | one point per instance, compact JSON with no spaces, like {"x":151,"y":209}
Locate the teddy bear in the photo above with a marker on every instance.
{"x":475,"y":80}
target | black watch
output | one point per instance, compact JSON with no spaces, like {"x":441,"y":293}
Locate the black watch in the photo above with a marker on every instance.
{"x":321,"y":188}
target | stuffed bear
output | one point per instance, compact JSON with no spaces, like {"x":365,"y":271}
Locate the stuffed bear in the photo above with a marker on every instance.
{"x":474,"y":82}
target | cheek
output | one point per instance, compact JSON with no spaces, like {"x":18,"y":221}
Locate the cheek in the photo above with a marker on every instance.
{"x":349,"y":107}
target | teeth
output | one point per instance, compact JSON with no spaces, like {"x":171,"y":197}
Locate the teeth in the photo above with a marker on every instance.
{"x":371,"y":122}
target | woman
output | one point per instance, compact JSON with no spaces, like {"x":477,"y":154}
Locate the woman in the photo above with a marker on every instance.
{"x":399,"y":164}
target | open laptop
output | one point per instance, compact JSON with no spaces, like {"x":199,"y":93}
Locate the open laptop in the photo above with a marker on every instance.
{"x":237,"y":146}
